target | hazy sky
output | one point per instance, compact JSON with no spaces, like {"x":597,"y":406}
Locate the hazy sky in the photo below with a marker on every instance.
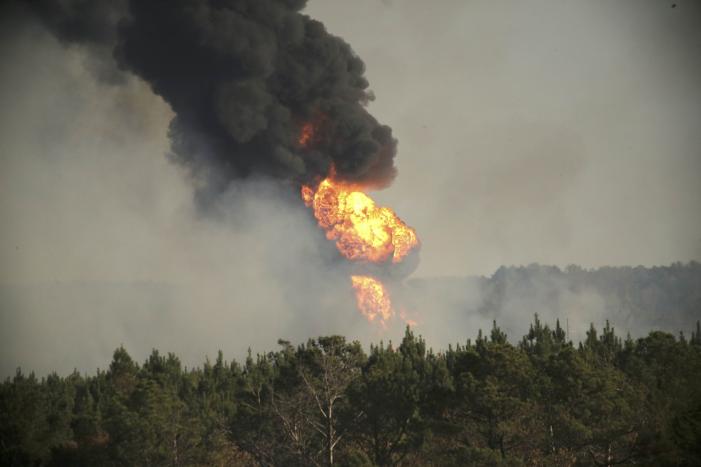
{"x":547,"y":131}
{"x":555,"y":132}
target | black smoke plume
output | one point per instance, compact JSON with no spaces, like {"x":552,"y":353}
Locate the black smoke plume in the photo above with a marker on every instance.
{"x":242,"y":77}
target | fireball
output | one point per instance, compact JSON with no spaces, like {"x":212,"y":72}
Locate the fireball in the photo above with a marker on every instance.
{"x":362,"y":230}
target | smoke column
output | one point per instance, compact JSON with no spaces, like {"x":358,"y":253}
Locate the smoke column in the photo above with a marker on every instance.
{"x":242,"y":77}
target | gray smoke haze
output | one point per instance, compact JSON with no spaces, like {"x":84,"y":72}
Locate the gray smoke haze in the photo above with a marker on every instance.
{"x":559,"y":132}
{"x":104,"y":245}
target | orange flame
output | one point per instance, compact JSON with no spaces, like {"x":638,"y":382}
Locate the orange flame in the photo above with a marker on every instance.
{"x":306,"y":135}
{"x":372,"y":299}
{"x":362,"y":230}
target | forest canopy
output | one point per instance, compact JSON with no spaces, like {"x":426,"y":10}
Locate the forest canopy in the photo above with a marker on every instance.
{"x":608,"y":400}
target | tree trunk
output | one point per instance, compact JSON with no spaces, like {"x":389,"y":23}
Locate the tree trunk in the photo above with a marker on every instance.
{"x":175,"y":450}
{"x":329,"y":435}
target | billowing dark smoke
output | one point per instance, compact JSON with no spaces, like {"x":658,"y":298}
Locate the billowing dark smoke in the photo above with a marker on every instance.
{"x":242,"y":77}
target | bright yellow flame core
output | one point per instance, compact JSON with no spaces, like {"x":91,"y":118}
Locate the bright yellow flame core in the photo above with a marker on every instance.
{"x":372,"y":298}
{"x":362,"y":230}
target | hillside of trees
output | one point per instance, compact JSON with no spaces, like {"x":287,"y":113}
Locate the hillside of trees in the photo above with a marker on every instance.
{"x":544,"y":400}
{"x":633,"y":299}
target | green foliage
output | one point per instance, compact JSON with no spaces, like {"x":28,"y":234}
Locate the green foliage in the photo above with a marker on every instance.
{"x":608,"y":401}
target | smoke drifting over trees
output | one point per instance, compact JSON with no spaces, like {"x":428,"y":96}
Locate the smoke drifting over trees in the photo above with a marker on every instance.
{"x":89,"y":202}
{"x":242,"y":77}
{"x":102,"y":245}
{"x":633,"y":299}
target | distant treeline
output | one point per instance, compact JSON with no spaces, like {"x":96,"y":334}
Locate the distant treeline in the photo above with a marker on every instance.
{"x":544,"y":401}
{"x":635,"y":299}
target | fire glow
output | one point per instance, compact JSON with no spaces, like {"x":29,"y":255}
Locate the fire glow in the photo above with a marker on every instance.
{"x":305,"y":138}
{"x":372,"y":299}
{"x":362,"y":232}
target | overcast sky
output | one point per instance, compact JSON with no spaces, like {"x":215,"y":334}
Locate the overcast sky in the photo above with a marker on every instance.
{"x":555,"y":132}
